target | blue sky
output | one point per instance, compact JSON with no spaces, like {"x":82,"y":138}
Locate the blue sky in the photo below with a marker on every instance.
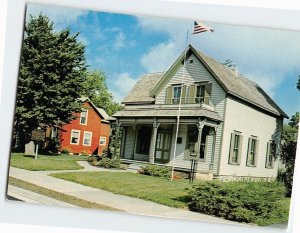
{"x":126,"y":47}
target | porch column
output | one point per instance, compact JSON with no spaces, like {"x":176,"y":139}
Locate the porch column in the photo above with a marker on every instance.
{"x":123,"y":142}
{"x":134,"y":141}
{"x":153,"y":141}
{"x":211,"y":166}
{"x":200,"y":126}
{"x":116,"y":138}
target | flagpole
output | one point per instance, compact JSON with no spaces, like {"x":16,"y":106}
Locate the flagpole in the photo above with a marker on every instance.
{"x":179,"y":105}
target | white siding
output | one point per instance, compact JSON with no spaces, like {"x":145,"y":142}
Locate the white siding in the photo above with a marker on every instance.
{"x":195,"y":72}
{"x":249,"y":121}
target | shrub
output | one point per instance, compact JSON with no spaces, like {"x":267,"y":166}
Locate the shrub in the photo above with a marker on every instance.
{"x":110,"y":163}
{"x":155,"y":170}
{"x":286,"y":176}
{"x":65,"y":150}
{"x":92,"y":158}
{"x":238,"y":200}
{"x":85,"y":153}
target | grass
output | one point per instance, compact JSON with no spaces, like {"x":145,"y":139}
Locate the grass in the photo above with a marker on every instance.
{"x":56,"y":195}
{"x":159,"y":190}
{"x":46,"y":162}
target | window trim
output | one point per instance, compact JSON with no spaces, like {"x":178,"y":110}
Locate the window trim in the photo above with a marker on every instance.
{"x":249,"y":151}
{"x":79,"y":132}
{"x":239,"y":148}
{"x":102,"y":144}
{"x":269,"y":148}
{"x":173,"y":93}
{"x":84,"y":133}
{"x":86,"y":117}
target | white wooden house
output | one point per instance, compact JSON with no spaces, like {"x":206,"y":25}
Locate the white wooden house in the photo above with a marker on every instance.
{"x":226,"y":120}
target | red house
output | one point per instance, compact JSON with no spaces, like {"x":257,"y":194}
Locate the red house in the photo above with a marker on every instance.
{"x":89,"y":133}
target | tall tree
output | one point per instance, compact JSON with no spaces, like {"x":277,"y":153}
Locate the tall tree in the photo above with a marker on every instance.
{"x":51,"y":74}
{"x":95,"y":88}
{"x":298,"y":83}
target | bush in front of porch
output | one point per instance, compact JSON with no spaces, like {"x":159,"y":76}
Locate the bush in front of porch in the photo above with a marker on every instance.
{"x":155,"y":170}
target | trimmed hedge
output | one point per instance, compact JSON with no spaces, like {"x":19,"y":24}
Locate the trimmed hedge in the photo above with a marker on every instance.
{"x":242,"y":201}
{"x":155,"y":170}
{"x":109,"y":163}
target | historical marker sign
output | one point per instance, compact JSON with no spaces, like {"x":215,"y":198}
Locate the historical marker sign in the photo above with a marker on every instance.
{"x":38,"y":135}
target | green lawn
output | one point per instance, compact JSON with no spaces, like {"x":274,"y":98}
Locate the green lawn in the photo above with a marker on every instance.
{"x":56,"y":195}
{"x":159,"y":190}
{"x":46,"y":162}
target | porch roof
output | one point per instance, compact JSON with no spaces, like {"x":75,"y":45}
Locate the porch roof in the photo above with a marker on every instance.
{"x":168,"y":113}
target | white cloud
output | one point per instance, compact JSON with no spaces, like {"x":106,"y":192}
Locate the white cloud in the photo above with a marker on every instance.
{"x":160,"y":57}
{"x":83,"y":39}
{"x":122,"y":84}
{"x":120,"y":40}
{"x":58,"y":14}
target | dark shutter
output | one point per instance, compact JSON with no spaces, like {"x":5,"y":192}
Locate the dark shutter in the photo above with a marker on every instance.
{"x":231,"y":147}
{"x":256,"y":152}
{"x":240,"y":149}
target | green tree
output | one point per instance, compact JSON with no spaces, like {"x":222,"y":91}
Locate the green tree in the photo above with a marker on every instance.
{"x":298,"y":83}
{"x":51,"y":72}
{"x":95,"y":88}
{"x":229,"y":63}
{"x":288,"y":150}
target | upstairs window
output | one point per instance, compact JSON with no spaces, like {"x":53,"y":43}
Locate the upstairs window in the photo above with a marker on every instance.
{"x":235,"y":148}
{"x":83,"y":117}
{"x":200,"y":93}
{"x":252,"y":151}
{"x":271,"y":151}
{"x":174,"y":93}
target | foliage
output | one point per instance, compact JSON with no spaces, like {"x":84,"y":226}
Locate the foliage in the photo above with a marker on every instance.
{"x":298,"y":83}
{"x":288,"y":151}
{"x":241,"y":201}
{"x":95,"y":88}
{"x":155,"y":170}
{"x":229,"y":63}
{"x":65,"y":150}
{"x":85,"y":153}
{"x":51,"y":72}
{"x":109,"y":163}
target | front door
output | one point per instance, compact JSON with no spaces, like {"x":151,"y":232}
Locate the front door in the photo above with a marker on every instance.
{"x":163,"y":146}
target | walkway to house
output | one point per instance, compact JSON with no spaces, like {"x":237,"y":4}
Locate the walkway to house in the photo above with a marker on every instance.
{"x":127,"y":204}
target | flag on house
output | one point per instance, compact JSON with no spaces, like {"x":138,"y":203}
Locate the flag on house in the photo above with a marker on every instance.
{"x":200,"y":27}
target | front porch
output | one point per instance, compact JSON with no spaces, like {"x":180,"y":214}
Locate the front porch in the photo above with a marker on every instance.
{"x":153,"y":140}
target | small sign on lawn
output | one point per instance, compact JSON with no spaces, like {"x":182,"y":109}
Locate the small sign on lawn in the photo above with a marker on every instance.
{"x":38,"y":135}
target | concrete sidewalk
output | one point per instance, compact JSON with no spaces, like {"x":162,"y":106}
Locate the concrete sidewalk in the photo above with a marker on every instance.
{"x":125,"y":203}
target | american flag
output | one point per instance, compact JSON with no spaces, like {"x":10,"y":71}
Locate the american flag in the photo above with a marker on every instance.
{"x":200,"y":27}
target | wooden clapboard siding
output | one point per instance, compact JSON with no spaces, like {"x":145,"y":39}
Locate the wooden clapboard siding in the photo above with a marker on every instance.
{"x":196,"y":72}
{"x":250,"y":122}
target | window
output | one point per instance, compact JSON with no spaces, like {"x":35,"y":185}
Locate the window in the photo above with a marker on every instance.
{"x":103,"y":141}
{"x":83,"y":117}
{"x":235,"y":148}
{"x":75,"y":134}
{"x":176,"y":94}
{"x":192,"y":141}
{"x":252,"y":151}
{"x":87,"y":138}
{"x":271,"y":151}
{"x":143,"y":140}
{"x":53,"y":132}
{"x":200,"y":93}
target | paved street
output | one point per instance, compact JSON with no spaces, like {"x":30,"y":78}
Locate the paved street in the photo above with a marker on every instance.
{"x":127,"y":204}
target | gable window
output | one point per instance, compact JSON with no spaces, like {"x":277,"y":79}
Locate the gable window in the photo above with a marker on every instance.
{"x":252,"y":151}
{"x":235,"y":148}
{"x":87,"y":138}
{"x":143,"y":140}
{"x":200,"y":93}
{"x":174,"y":93}
{"x":75,"y":135}
{"x":83,"y":117}
{"x":102,"y":141}
{"x":271,"y":150}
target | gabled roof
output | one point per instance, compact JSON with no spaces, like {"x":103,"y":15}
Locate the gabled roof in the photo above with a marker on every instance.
{"x":100,"y":111}
{"x":140,"y":92}
{"x":233,"y":84}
